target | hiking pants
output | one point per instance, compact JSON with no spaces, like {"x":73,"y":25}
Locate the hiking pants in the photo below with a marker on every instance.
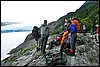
{"x":44,"y":40}
{"x":73,"y":40}
{"x":97,"y":37}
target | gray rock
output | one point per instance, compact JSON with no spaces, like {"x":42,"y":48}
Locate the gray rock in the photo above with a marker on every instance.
{"x":29,"y":37}
{"x":87,"y":54}
{"x":27,"y":44}
{"x":14,"y":63}
{"x":24,"y":60}
{"x":6,"y":63}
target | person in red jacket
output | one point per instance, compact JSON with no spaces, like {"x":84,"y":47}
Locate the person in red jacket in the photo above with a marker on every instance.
{"x":97,"y":33}
{"x":55,"y":41}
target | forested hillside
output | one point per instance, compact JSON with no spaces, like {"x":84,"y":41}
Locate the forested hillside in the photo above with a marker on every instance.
{"x":88,"y":14}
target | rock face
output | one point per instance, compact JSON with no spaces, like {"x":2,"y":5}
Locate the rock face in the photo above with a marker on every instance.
{"x":28,"y":42}
{"x":56,"y":24}
{"x":87,"y":54}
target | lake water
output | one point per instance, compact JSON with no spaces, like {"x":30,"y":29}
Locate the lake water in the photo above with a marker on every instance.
{"x":10,"y":41}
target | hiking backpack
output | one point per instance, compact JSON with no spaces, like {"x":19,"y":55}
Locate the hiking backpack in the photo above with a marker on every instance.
{"x":35,"y":33}
{"x":76,"y":22}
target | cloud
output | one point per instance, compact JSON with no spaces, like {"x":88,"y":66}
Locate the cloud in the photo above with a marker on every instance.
{"x":34,"y":12}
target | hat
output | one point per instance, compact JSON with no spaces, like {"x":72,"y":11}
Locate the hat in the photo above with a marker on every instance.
{"x":65,"y":20}
{"x":65,"y":24}
{"x":97,"y":25}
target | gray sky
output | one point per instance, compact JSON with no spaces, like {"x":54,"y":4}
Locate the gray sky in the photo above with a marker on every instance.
{"x":34,"y":12}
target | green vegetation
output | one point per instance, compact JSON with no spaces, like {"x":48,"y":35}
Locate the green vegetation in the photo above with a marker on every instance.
{"x":10,"y":59}
{"x":23,"y":51}
{"x":88,"y":14}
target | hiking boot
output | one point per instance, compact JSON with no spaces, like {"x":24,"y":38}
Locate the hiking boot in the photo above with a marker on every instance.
{"x":72,"y":52}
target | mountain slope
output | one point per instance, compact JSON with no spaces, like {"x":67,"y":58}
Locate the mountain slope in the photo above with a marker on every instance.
{"x":86,"y":53}
{"x":88,"y":14}
{"x":8,"y":23}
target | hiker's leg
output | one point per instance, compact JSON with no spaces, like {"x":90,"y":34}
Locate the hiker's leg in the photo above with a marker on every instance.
{"x":68,"y":42}
{"x":72,"y":41}
{"x":39,"y":42}
{"x":42,"y":40}
{"x":38,"y":47}
{"x":61,"y":49}
{"x":63,"y":45}
{"x":97,"y":37}
{"x":74,"y":36}
{"x":67,"y":45}
{"x":44,"y":44}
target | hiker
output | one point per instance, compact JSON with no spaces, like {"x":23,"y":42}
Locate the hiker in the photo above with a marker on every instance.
{"x":55,"y":42}
{"x":72,"y":33}
{"x":84,"y":29}
{"x":65,"y":34}
{"x":44,"y":36}
{"x":61,"y":38}
{"x":65,"y":39}
{"x":97,"y":33}
{"x":36,"y":35}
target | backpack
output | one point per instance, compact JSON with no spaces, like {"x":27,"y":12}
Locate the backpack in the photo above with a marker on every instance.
{"x":76,"y":22}
{"x":35,"y":33}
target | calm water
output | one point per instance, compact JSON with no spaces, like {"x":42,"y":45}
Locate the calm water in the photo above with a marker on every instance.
{"x":10,"y":41}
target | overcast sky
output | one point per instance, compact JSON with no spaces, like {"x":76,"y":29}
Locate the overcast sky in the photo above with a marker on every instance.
{"x":34,"y":12}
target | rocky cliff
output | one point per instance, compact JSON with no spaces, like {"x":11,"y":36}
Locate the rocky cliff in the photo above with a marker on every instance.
{"x":87,"y":53}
